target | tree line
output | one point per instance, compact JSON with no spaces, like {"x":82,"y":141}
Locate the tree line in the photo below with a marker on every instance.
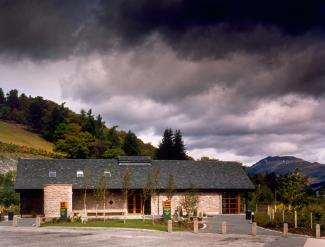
{"x":291,"y":189}
{"x":83,"y":135}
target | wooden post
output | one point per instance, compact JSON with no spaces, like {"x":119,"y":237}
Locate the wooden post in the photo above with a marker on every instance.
{"x":285,"y":230}
{"x":38,"y":221}
{"x":195,"y":226}
{"x":272,"y":216}
{"x":296,"y":219}
{"x":311,"y":220}
{"x":169,"y":226}
{"x":282,"y":215}
{"x":224,"y":227}
{"x":14,"y":221}
{"x":317,"y":230}
{"x":254,"y":229}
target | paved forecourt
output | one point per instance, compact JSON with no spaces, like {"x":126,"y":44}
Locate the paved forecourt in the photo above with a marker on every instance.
{"x":56,"y":237}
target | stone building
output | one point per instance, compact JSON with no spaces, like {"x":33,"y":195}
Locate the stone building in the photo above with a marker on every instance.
{"x":45,"y":184}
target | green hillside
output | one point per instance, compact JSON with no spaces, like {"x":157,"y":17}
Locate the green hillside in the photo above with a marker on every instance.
{"x":74,"y":135}
{"x":12,"y":133}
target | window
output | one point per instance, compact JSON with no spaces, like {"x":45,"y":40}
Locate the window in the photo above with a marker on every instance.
{"x":52,"y":174}
{"x":230,"y":203}
{"x":107,"y":173}
{"x":80,"y":174}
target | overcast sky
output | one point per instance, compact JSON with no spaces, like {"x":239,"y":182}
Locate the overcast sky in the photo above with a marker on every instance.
{"x":241,"y":79}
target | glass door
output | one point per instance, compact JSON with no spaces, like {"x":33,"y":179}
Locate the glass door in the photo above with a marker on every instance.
{"x":135,"y":202}
{"x":230,"y":203}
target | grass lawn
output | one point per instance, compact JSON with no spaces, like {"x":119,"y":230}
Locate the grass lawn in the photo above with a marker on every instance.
{"x":17,"y":134}
{"x":132,"y":223}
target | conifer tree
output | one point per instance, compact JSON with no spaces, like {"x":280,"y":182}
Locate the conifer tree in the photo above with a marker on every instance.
{"x":179,"y":151}
{"x":2,"y":97}
{"x":131,"y":145}
{"x":165,"y":149}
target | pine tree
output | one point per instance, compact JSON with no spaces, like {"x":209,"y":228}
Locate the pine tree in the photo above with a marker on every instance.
{"x":2,"y":97}
{"x":179,"y":151}
{"x":165,"y":149}
{"x":131,"y":145}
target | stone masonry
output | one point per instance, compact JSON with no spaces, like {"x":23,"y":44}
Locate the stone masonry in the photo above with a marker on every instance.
{"x":209,"y":203}
{"x":54,"y":194}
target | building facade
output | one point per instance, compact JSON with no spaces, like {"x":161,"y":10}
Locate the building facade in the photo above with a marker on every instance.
{"x":98,"y":186}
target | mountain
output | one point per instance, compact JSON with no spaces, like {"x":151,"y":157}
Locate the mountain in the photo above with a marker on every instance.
{"x":285,"y":164}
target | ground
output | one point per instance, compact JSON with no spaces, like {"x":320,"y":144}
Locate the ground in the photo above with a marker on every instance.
{"x":19,"y":135}
{"x":238,"y":228}
{"x":27,"y":236}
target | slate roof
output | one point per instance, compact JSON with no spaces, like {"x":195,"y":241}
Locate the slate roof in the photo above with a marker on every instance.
{"x":204,"y":175}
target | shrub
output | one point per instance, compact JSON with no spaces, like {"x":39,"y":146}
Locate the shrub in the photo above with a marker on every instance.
{"x":262,"y":219}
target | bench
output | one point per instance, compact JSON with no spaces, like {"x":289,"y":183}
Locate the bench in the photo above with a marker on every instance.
{"x":91,"y":213}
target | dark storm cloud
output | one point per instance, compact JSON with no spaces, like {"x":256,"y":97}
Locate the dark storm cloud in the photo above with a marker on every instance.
{"x":43,"y":29}
{"x":244,"y":77}
{"x":194,"y":30}
{"x":212,"y":27}
{"x":56,"y":28}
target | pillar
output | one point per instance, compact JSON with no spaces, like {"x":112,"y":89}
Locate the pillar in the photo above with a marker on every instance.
{"x":285,"y":230}
{"x":169,"y":226}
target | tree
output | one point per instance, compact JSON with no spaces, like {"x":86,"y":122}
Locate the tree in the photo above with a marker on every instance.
{"x":170,"y":187}
{"x":12,"y":99}
{"x":291,"y":188}
{"x":113,"y":137}
{"x":99,"y":191}
{"x":113,"y":153}
{"x":126,"y":186}
{"x":179,"y":152}
{"x":8,"y":196}
{"x":2,"y":97}
{"x":76,"y":146}
{"x":190,"y":201}
{"x":261,"y":194}
{"x":131,"y":146}
{"x":166,"y":147}
{"x":56,"y":119}
{"x":147,"y":190}
{"x":36,"y":113}
{"x":206,"y":158}
{"x":154,"y":189}
{"x":150,"y":188}
{"x":86,"y":182}
{"x":103,"y":185}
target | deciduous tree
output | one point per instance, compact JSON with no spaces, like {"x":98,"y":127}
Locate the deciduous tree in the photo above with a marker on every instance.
{"x":292,"y":188}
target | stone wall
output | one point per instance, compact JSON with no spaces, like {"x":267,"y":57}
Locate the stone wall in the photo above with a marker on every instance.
{"x":209,"y":202}
{"x":117,"y":199}
{"x":54,"y":194}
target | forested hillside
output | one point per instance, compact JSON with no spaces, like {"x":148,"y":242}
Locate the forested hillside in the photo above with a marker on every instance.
{"x":73,"y":135}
